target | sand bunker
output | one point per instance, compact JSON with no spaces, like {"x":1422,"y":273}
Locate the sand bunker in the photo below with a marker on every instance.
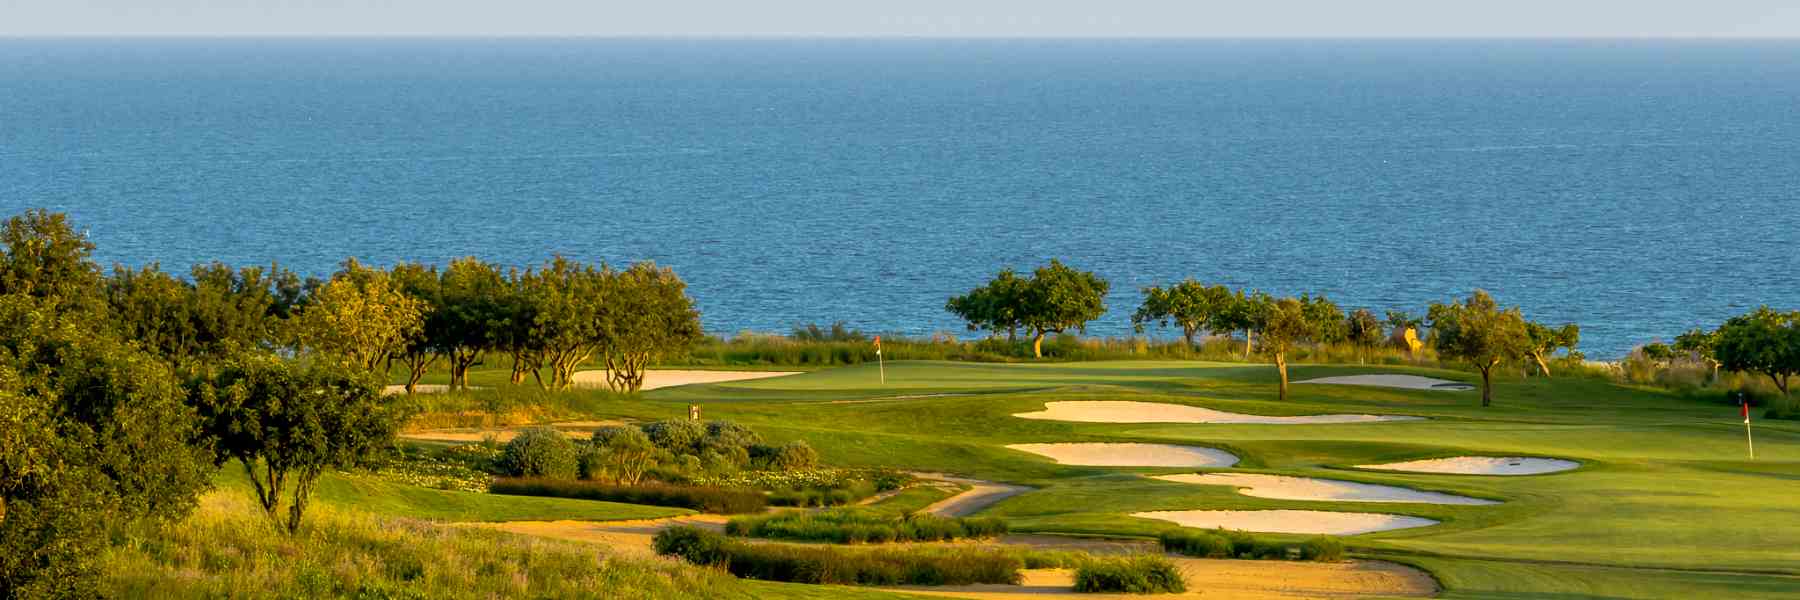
{"x":1480,"y":465}
{"x":1223,"y":579}
{"x":673,"y":377}
{"x":1126,"y":411}
{"x":1130,"y":455}
{"x":1288,"y":521}
{"x":1405,"y":382}
{"x":1280,"y":487}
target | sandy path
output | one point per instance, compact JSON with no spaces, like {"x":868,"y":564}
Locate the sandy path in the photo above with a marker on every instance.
{"x":574,"y":429}
{"x":1281,"y":487}
{"x":1130,"y":455}
{"x":980,"y":495}
{"x":1479,"y":465}
{"x":1232,"y":580}
{"x":1128,"y":411}
{"x":1288,"y":521}
{"x":627,"y":537}
{"x":662,"y":378}
{"x":1405,"y":382}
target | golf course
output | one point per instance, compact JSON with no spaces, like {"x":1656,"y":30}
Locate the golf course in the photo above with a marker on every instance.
{"x":1664,"y":501}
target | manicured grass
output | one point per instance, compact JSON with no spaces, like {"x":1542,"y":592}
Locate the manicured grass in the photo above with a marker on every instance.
{"x":1666,"y":504}
{"x":385,"y":498}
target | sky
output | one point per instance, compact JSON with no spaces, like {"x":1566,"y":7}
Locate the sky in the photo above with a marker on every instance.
{"x":909,"y":18}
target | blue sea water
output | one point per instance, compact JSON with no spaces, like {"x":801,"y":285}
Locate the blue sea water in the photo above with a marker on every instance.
{"x":1636,"y":188}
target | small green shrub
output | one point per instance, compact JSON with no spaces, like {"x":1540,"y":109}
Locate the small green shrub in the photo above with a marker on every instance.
{"x":1202,"y":544}
{"x":843,"y":566}
{"x":862,"y":525}
{"x":792,"y":456}
{"x":540,"y":452}
{"x":722,"y":501}
{"x":1132,"y":575}
{"x":676,"y":436}
{"x":1322,"y":549}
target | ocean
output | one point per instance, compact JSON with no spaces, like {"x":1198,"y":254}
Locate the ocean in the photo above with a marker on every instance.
{"x":1638,"y":188}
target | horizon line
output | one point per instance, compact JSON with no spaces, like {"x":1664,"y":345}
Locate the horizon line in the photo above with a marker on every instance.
{"x":870,"y":37}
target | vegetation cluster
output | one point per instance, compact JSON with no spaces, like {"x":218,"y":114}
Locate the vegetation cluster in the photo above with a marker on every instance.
{"x":962,"y":565}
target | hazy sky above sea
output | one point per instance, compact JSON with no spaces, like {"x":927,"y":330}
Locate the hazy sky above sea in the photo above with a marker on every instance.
{"x":927,"y":18}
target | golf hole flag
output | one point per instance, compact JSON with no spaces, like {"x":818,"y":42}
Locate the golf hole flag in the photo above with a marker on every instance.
{"x":878,"y":348}
{"x":880,"y":364}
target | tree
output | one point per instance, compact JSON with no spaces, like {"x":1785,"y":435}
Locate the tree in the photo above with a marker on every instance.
{"x":1189,"y":305}
{"x":93,"y":432}
{"x":1246,"y":312}
{"x":424,"y":345}
{"x":1545,"y":341}
{"x":286,"y":422}
{"x":1286,"y":326}
{"x":510,"y":329}
{"x":1404,"y":329}
{"x":1700,"y":344}
{"x":360,"y":316}
{"x":473,"y":296}
{"x":1762,"y":341}
{"x":994,"y":306}
{"x":1327,"y":320}
{"x":626,"y":453}
{"x":1058,"y":298}
{"x":1364,"y":329}
{"x":567,"y":299}
{"x":648,"y":315}
{"x":1479,"y":332}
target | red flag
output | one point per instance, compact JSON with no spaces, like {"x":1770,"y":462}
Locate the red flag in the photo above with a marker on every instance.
{"x":1746,"y":405}
{"x":878,"y":343}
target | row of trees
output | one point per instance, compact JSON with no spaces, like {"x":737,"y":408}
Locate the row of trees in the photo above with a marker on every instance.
{"x":555,"y":317}
{"x":1763,"y":341}
{"x":1056,"y":297}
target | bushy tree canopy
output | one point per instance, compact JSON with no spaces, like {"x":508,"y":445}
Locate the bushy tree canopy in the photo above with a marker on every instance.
{"x":1190,"y":305}
{"x":1763,"y":341}
{"x":1055,"y":299}
{"x":1479,"y":332}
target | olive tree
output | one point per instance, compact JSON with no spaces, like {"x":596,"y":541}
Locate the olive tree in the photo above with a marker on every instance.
{"x":1058,"y":298}
{"x":1364,"y":329}
{"x":472,"y":296}
{"x":93,"y":431}
{"x":286,"y":422}
{"x":422,"y":346}
{"x":1246,"y":312}
{"x":994,"y":306}
{"x":1479,"y":332}
{"x":1189,"y":305}
{"x":567,"y":298}
{"x":1762,"y":341}
{"x":1286,"y":327}
{"x":1701,"y":344}
{"x":1544,"y":341}
{"x":647,"y":314}
{"x":360,"y":316}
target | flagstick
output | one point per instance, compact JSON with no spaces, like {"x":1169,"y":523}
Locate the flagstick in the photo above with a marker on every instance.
{"x":1748,"y":440}
{"x":881,"y":364}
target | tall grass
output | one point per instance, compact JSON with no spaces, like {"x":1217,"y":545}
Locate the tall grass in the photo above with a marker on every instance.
{"x":860,"y":525}
{"x":228,"y":549}
{"x":825,"y":350}
{"x":502,"y":406}
{"x":1142,"y":574}
{"x":724,"y":501}
{"x":830,"y":564}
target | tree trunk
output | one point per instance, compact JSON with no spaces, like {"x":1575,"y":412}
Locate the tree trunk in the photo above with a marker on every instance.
{"x":1780,"y":382}
{"x":1188,"y":332}
{"x":1037,"y":345}
{"x":1487,"y":386}
{"x":1281,"y":366}
{"x":1248,"y":337}
{"x":1543,"y":368}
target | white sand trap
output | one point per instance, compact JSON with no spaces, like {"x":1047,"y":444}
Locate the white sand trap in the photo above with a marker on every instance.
{"x":1288,"y":521}
{"x":1127,"y":411}
{"x":1480,"y":465}
{"x":1405,"y":382}
{"x":1130,"y":455}
{"x":1279,"y":487}
{"x":663,"y":378}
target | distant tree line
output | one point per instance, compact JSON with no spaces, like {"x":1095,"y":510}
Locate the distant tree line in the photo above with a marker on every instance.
{"x":1057,"y":297}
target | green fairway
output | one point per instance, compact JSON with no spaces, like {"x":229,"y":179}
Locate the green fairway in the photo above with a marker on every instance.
{"x":1665,"y":503}
{"x":392,"y":499}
